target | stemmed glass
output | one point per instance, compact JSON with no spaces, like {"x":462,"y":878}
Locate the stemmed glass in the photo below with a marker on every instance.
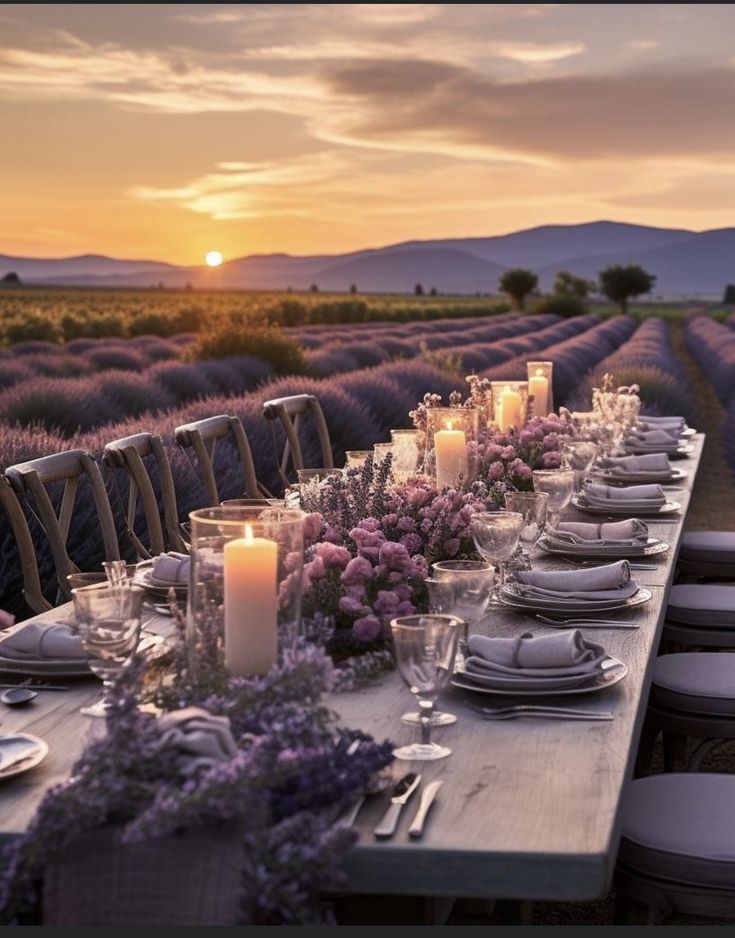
{"x":461,"y":588}
{"x":579,"y":455}
{"x":107,"y":620}
{"x":559,"y":486}
{"x":533,"y":506}
{"x":425,"y":647}
{"x":496,"y":535}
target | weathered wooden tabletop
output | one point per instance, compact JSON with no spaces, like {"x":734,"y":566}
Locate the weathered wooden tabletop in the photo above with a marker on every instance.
{"x":529,"y":808}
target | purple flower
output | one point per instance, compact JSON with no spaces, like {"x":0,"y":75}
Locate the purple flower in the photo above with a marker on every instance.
{"x":367,"y":629}
{"x":356,"y":572}
{"x":333,"y":555}
{"x":353,"y":606}
{"x":551,"y":460}
{"x":412,"y":543}
{"x":451,"y":547}
{"x":496,"y":471}
{"x":313,"y":525}
{"x":552,"y":442}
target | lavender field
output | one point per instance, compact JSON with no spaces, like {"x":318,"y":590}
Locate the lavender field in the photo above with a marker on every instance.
{"x":368,"y":377}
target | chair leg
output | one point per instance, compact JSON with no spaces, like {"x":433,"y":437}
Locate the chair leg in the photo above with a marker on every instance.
{"x":436,"y":911}
{"x":631,"y":912}
{"x":674,"y":752}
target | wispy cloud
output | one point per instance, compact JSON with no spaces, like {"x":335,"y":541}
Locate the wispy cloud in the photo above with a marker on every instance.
{"x":533,"y":53}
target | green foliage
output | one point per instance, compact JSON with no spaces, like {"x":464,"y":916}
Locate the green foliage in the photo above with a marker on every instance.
{"x":560,"y":305}
{"x":568,"y":285}
{"x":239,"y":335}
{"x":444,"y":359}
{"x":518,"y":283}
{"x":33,"y":326}
{"x":619,"y":283}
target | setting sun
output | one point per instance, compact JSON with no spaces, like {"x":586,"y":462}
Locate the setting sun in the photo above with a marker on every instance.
{"x":213,"y":258}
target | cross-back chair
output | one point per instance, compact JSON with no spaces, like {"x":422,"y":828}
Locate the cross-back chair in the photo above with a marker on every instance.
{"x":32,"y":591}
{"x":30,"y":481}
{"x":161,"y":522}
{"x":204,"y":437}
{"x":292,"y":412}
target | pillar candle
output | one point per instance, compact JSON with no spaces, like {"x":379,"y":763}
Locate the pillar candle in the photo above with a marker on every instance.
{"x":511,"y":405}
{"x":538,"y":385}
{"x":450,"y":447}
{"x":251,"y":604}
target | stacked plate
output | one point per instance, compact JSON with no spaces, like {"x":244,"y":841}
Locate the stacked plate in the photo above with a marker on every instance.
{"x":625,"y":511}
{"x":512,"y":595}
{"x":610,"y":671}
{"x":145,"y":577}
{"x":610,"y":477}
{"x":651,"y":548}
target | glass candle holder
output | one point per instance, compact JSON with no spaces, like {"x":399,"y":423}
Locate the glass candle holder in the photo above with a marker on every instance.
{"x":381,"y":451}
{"x":245,"y":585}
{"x":510,"y":404}
{"x":451,"y":444}
{"x":405,"y":453}
{"x":356,"y":458}
{"x":540,"y":387}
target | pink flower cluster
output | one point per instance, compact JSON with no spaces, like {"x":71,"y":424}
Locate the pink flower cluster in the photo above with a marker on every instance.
{"x":511,"y":457}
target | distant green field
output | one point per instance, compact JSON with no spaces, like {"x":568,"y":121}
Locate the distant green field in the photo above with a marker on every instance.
{"x":60,"y":315}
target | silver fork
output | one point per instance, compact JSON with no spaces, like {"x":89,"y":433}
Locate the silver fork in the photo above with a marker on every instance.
{"x":534,"y":710}
{"x":591,"y":623}
{"x":602,"y":563}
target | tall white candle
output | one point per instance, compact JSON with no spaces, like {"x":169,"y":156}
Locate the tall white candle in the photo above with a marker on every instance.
{"x":511,"y":408}
{"x":538,"y":386}
{"x":450,"y":448}
{"x":251,"y":604}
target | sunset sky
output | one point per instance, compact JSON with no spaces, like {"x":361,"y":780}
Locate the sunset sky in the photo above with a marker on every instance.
{"x":165,"y":131}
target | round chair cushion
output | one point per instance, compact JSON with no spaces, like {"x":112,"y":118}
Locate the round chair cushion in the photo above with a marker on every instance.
{"x":709,"y":547}
{"x":696,"y":682}
{"x":681,"y":827}
{"x":702,"y":604}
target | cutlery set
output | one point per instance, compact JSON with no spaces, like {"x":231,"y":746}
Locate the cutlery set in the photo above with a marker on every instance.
{"x":542,"y":711}
{"x":587,"y":623}
{"x":602,"y":563}
{"x":401,"y":794}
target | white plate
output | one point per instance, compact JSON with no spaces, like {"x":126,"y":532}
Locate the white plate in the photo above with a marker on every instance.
{"x":651,"y":549}
{"x":636,"y":478}
{"x":45,"y":668}
{"x":31,"y":760}
{"x":508,"y":597}
{"x":144,"y":577}
{"x":684,"y":449}
{"x":613,"y":671}
{"x":666,"y":509}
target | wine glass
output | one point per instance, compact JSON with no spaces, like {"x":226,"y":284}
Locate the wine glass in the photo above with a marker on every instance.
{"x":107,"y":620}
{"x":559,"y":486}
{"x":425,"y":647}
{"x":533,"y":506}
{"x":496,"y":535}
{"x":461,"y":588}
{"x":579,"y":455}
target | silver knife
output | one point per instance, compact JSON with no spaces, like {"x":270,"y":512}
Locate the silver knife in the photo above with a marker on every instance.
{"x":427,"y":797}
{"x":401,"y":793}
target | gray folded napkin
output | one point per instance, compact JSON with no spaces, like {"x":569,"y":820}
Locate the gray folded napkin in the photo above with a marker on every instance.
{"x":49,"y":641}
{"x":662,"y":434}
{"x":198,"y":738}
{"x":652,"y":423}
{"x":172,"y":567}
{"x":652,"y":463}
{"x":595,"y":584}
{"x":633,"y":496}
{"x":632,"y":531}
{"x":562,"y":654}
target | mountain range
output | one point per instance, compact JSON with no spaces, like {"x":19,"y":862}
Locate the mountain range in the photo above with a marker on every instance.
{"x":686,"y":263}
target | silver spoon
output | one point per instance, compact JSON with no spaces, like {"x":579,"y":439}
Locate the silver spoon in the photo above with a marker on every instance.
{"x":17,"y":696}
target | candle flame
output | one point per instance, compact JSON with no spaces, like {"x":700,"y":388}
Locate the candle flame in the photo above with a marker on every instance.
{"x":539,"y":373}
{"x":506,"y":388}
{"x":450,"y":425}
{"x":249,"y":533}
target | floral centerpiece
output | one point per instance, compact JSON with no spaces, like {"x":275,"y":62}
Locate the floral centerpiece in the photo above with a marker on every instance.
{"x":261,"y":756}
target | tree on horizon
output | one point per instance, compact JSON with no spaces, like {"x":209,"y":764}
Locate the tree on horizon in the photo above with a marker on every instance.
{"x":518,"y":283}
{"x":619,"y":283}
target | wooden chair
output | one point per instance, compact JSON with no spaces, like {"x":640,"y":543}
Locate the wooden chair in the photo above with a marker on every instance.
{"x":292,"y":412}
{"x":32,"y":592}
{"x":203,"y":437}
{"x":162,"y":522}
{"x":29,"y":480}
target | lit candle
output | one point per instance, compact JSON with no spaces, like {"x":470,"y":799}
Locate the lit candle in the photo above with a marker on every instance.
{"x":538,"y":385}
{"x":450,"y":447}
{"x":511,"y":406}
{"x":251,"y":604}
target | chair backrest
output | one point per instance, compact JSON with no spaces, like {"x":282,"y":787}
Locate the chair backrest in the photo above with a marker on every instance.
{"x":203,"y":437}
{"x":30,"y":479}
{"x":32,"y":592}
{"x":292,"y":411}
{"x":162,"y":522}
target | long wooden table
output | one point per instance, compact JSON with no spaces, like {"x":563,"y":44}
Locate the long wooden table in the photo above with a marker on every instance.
{"x":529,"y":808}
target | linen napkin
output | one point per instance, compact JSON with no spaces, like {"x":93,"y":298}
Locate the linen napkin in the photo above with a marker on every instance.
{"x":561,"y":654}
{"x":653,"y":423}
{"x":49,"y":641}
{"x":171,"y":568}
{"x":198,"y":738}
{"x":655,"y":440}
{"x":634,"y":497}
{"x":633,"y":532}
{"x":650,"y":463}
{"x":595,"y":584}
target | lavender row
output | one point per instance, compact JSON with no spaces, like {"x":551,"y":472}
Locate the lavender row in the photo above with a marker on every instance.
{"x":572,"y":356}
{"x":647,"y":359}
{"x":712,"y":345}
